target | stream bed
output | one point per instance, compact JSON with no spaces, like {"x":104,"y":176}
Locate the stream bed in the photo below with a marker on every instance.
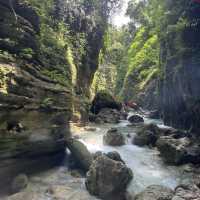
{"x":147,"y":166}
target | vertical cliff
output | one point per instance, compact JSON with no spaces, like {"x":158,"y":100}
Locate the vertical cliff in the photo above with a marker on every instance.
{"x":180,"y":51}
{"x":48,"y":56}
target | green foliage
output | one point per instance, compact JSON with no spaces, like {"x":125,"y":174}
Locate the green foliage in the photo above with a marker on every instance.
{"x":26,"y":53}
{"x":146,"y":57}
{"x":46,"y":103}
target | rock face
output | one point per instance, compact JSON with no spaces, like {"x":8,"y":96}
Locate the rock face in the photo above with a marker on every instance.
{"x":155,"y":192}
{"x":104,"y":100}
{"x":107,"y":176}
{"x":114,"y":138}
{"x":134,"y":119}
{"x":180,"y":91}
{"x":80,"y":153}
{"x":38,"y":75}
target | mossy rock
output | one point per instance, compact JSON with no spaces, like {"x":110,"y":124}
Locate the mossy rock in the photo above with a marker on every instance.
{"x":104,"y":100}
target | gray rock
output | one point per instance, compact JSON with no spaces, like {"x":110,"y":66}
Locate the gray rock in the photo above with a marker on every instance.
{"x":147,"y":135}
{"x":107,"y":115}
{"x":187,"y":192}
{"x":135,"y":119}
{"x":155,"y":192}
{"x":80,"y":153}
{"x":145,"y":138}
{"x":114,"y":155}
{"x":19,"y":183}
{"x":104,"y":100}
{"x":114,"y":138}
{"x":107,"y":177}
{"x":178,"y":151}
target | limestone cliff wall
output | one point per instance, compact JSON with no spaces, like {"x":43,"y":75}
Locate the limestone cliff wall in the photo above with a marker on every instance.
{"x":47,"y":62}
{"x":180,"y":90}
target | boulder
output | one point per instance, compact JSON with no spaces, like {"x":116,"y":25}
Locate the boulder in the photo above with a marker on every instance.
{"x":19,"y":183}
{"x":104,"y":100}
{"x":155,"y":192}
{"x":80,"y":153}
{"x":173,"y":150}
{"x":114,"y":138}
{"x":114,"y":155}
{"x":145,"y":138}
{"x":107,"y":177}
{"x":135,"y":119}
{"x":107,"y":115}
{"x":187,"y":192}
{"x":148,"y":135}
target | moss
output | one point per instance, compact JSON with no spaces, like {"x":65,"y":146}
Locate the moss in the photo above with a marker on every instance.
{"x":56,"y":76}
{"x":5,"y":69}
{"x":150,"y":74}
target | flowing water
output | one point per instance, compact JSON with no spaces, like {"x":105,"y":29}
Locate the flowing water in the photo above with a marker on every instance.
{"x":147,"y":166}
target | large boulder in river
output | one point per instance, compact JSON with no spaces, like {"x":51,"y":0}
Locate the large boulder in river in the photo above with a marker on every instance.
{"x":148,"y":135}
{"x":145,"y":138}
{"x":80,"y":153}
{"x":134,"y":119}
{"x":104,"y":100}
{"x":155,"y":192}
{"x":108,"y":115}
{"x":178,"y":151}
{"x":107,"y":177}
{"x":114,"y":138}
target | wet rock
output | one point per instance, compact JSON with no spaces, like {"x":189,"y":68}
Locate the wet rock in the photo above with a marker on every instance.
{"x":104,"y":100}
{"x":173,"y":150}
{"x":145,"y":138}
{"x":135,"y":119}
{"x":80,"y":153}
{"x":99,"y":120}
{"x":187,"y":192}
{"x":108,"y":116}
{"x":114,"y":138}
{"x":148,"y":135}
{"x":19,"y":183}
{"x":97,"y":154}
{"x":114,"y":155}
{"x":107,"y":176}
{"x":155,"y":192}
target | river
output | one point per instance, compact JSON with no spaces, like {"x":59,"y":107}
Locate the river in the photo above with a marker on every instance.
{"x":147,"y":166}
